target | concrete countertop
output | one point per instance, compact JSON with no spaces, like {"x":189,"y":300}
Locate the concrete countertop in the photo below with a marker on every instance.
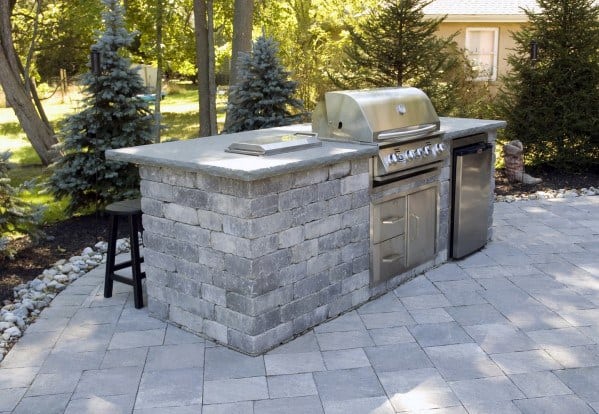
{"x":207,"y":155}
{"x":462,"y":127}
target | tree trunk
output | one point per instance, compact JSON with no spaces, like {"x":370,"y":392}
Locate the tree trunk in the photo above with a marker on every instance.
{"x":242,"y":39}
{"x":158,"y":86}
{"x":15,"y":84}
{"x":203,"y":57}
{"x":211,"y":69}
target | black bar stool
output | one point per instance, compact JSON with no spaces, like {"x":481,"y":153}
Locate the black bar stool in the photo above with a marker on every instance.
{"x":131,"y":209}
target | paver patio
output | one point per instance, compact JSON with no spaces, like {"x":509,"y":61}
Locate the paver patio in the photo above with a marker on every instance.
{"x":513,"y":328}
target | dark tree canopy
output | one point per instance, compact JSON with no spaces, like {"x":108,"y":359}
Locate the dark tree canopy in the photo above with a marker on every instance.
{"x":114,"y":117}
{"x":552,"y":105}
{"x":66,"y":33}
{"x":263,"y":98}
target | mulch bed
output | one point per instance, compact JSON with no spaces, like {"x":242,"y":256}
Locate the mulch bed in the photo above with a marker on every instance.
{"x":553,"y":179}
{"x":62,"y":240}
{"x":68,"y":238}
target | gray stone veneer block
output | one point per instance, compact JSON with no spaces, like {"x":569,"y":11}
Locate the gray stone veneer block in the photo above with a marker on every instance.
{"x":251,"y":264}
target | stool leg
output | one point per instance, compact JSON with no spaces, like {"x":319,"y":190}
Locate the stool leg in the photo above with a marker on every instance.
{"x":110,"y":255}
{"x":135,"y":262}
{"x":140,"y":227}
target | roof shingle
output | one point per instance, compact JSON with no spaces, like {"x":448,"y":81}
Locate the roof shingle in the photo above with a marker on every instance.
{"x":480,"y":7}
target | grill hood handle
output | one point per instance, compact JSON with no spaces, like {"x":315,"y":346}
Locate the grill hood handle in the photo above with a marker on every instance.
{"x":407,"y":134}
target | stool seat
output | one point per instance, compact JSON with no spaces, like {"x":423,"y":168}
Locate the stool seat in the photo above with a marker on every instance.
{"x":131,"y":210}
{"x":125,"y":207}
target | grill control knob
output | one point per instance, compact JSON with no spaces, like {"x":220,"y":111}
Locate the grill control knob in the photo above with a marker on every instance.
{"x":392,"y":158}
{"x":438,"y":148}
{"x":419,"y":153}
{"x":401,"y":158}
{"x":427,"y":150}
{"x":410,"y":155}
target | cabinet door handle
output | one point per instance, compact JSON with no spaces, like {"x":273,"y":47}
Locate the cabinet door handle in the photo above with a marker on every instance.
{"x":391,"y":258}
{"x":391,"y":220}
{"x":414,"y":227}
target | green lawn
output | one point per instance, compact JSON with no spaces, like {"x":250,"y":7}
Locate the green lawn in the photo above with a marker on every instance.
{"x":179,"y":111}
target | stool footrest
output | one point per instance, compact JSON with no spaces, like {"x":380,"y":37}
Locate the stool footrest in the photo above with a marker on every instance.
{"x":125,"y":264}
{"x":126,"y":280}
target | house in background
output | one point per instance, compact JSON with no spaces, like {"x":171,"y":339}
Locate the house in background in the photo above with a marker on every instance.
{"x":485,"y":28}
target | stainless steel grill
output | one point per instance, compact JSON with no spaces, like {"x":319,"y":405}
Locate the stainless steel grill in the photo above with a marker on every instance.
{"x":378,"y":115}
{"x":401,"y":121}
{"x":404,"y":211}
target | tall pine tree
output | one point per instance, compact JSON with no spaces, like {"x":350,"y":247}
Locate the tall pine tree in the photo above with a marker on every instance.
{"x":263,"y":98}
{"x":113,"y":117}
{"x":552,"y":105}
{"x":395,"y":45}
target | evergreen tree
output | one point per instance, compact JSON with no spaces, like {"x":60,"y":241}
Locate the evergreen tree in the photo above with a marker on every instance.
{"x":16,"y":215}
{"x":264,"y":96}
{"x":395,"y":45}
{"x":552,"y":105}
{"x":114,"y":117}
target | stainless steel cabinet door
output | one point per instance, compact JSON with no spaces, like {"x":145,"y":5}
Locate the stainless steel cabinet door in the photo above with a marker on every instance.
{"x":422,"y":226}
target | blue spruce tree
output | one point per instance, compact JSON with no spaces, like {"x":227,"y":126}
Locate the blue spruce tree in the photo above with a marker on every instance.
{"x":264,"y":96}
{"x":113,"y":117}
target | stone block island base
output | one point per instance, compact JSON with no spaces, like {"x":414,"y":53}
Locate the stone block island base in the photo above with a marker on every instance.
{"x":251,"y":251}
{"x":252,"y":263}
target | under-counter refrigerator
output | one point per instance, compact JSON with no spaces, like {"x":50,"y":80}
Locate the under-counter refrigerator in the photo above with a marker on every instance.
{"x":471,"y":198}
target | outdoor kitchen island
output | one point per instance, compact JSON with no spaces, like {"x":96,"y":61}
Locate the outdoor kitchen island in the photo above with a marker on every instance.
{"x":251,"y":251}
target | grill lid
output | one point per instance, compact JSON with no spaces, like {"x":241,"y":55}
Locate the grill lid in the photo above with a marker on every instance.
{"x":376,"y":115}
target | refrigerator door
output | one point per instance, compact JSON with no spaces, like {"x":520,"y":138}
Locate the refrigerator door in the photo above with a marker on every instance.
{"x":472,"y":192}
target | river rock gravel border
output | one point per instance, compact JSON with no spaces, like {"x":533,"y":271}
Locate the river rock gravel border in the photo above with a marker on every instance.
{"x":544,"y":195}
{"x":32,"y":297}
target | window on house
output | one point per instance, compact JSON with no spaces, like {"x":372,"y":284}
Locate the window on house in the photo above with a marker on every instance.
{"x":481,"y":47}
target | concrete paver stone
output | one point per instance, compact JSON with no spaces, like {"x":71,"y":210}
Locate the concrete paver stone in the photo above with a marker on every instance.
{"x":511,"y":329}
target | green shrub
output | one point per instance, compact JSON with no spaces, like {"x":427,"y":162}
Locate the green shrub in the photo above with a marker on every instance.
{"x":16,"y":215}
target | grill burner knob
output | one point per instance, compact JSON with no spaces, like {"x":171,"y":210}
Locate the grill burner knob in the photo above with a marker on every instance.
{"x":419,"y":153}
{"x":438,"y":149}
{"x":427,"y":150}
{"x":392,"y":158}
{"x":410,"y":155}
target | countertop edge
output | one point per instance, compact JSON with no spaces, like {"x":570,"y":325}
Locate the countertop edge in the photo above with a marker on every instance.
{"x":461,"y":127}
{"x":362,"y":151}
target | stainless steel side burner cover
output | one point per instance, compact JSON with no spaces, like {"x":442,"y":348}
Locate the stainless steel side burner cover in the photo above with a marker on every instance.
{"x":275,"y":144}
